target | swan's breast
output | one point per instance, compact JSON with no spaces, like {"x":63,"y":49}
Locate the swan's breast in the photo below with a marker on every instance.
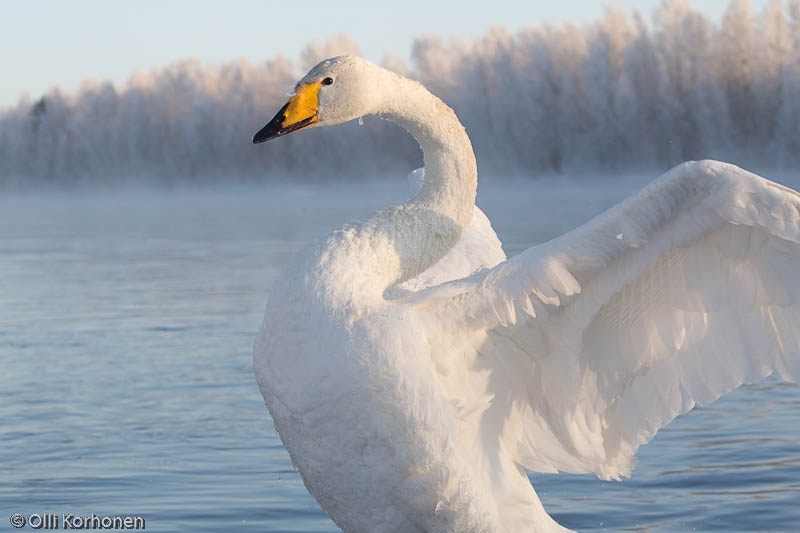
{"x":360,"y":409}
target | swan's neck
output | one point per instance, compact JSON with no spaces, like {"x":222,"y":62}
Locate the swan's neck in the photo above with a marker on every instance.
{"x":358,"y":263}
{"x":451,"y":174}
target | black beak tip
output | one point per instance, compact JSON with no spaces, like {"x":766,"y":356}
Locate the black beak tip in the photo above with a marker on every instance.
{"x":272,"y":129}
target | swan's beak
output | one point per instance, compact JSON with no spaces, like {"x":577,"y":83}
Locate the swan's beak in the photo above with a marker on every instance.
{"x":300,"y":111}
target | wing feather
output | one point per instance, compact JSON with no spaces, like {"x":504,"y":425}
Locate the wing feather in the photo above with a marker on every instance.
{"x":597,"y":339}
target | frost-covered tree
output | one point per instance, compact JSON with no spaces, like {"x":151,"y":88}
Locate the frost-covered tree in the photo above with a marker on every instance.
{"x":772,"y":52}
{"x":612,"y":106}
{"x":786,"y":142}
{"x":617,"y":93}
{"x":735,"y":58}
{"x":692,"y":107}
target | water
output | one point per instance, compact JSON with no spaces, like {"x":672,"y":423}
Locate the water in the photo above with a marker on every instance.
{"x":126,"y":326}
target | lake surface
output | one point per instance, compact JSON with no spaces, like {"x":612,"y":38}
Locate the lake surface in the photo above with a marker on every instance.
{"x":126,"y":327}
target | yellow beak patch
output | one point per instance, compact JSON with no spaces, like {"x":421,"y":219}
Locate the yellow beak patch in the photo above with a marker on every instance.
{"x":300,"y":111}
{"x":303,"y":106}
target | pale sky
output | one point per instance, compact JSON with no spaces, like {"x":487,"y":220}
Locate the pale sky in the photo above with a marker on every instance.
{"x":47,"y":43}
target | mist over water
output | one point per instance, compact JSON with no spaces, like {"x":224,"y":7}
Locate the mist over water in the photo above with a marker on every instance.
{"x":127,"y":318}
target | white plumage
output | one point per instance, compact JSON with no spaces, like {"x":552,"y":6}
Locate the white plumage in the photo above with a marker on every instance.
{"x":413,"y":373}
{"x":478,"y":248}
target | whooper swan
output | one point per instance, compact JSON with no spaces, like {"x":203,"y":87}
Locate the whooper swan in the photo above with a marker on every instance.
{"x":412,"y":388}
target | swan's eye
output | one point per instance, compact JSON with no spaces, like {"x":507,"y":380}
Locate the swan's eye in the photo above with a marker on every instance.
{"x":327,"y":81}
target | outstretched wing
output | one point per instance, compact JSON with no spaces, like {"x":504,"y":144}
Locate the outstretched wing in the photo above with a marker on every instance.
{"x":588,"y":344}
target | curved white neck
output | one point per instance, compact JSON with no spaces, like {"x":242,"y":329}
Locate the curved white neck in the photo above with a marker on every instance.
{"x":451,"y":174}
{"x":358,"y":263}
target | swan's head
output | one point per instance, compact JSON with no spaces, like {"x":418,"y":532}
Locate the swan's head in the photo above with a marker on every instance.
{"x":337,"y":90}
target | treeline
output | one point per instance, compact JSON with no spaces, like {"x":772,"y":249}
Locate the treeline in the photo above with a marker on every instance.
{"x":617,"y":94}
